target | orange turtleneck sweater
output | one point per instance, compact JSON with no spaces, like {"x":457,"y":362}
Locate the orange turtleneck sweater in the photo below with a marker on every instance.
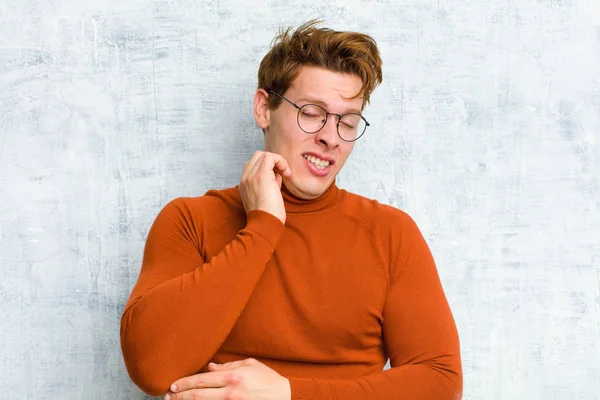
{"x":324,"y":300}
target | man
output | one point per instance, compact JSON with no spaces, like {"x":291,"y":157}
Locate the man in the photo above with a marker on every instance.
{"x":285,"y":286}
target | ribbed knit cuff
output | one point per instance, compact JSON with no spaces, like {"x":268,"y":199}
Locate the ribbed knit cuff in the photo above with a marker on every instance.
{"x":303,"y":388}
{"x":265,"y":224}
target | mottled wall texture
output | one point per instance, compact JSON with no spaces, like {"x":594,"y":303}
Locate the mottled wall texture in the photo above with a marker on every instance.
{"x":486,"y":130}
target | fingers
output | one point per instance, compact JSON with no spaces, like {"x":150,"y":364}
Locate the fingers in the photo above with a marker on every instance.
{"x":226,"y":366}
{"x":223,"y":381}
{"x":283,"y":167}
{"x":204,"y":380}
{"x":251,"y":163}
{"x":266,"y":161}
{"x":275,"y":162}
{"x":257,"y":164}
{"x":200,"y":394}
{"x":260,"y":185}
{"x":280,"y":165}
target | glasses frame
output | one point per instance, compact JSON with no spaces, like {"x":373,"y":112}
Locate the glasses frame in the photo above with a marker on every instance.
{"x":327,"y":114}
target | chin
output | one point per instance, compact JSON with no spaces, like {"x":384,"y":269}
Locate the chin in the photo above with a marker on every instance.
{"x":308,"y":190}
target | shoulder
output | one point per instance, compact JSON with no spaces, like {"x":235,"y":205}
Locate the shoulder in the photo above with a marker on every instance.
{"x":378,"y":216}
{"x":208,"y":210}
{"x":396,"y":231}
{"x":394,"y":228}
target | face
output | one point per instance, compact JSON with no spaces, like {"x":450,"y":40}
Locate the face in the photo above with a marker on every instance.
{"x":334,"y":92}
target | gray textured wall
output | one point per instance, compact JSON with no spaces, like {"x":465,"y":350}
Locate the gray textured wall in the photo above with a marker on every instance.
{"x":486,"y":129}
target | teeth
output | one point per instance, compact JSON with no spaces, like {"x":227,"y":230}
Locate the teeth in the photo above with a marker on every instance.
{"x":317,"y":161}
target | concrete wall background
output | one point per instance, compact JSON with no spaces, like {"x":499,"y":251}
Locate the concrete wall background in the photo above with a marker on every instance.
{"x":486,"y":130}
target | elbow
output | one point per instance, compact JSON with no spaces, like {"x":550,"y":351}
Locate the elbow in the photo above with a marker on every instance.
{"x":455,"y":387}
{"x":456,"y":379}
{"x":142,"y":362}
{"x":444,"y":385}
{"x":444,"y":377}
{"x":147,"y":379}
{"x":451,"y":377}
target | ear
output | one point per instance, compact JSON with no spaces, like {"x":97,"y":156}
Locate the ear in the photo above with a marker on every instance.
{"x":262,"y":114}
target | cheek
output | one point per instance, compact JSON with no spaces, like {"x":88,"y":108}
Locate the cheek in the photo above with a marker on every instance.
{"x":278,"y":127}
{"x":286,"y":137}
{"x":273,"y":136}
{"x":347,"y":150}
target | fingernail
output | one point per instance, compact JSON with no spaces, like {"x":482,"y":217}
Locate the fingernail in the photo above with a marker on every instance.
{"x":173,"y":388}
{"x":167,"y":396}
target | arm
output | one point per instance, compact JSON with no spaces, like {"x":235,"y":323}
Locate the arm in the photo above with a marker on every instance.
{"x":419,"y":332}
{"x":181,"y":308}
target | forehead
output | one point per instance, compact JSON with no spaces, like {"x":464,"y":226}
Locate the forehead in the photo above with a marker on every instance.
{"x":326,"y":86}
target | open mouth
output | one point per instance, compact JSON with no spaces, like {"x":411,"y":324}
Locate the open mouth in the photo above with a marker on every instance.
{"x":317,"y":162}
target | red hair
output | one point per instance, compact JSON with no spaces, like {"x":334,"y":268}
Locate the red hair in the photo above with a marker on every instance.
{"x":344,"y":52}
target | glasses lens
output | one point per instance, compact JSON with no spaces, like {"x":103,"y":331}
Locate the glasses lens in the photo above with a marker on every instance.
{"x":311,"y":118}
{"x":351,"y":126}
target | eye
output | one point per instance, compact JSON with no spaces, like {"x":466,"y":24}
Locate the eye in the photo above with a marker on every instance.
{"x":350,"y":121}
{"x":312,"y":114}
{"x":311,"y":111}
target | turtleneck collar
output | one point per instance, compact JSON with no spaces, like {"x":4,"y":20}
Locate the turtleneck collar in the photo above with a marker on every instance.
{"x":296,"y":205}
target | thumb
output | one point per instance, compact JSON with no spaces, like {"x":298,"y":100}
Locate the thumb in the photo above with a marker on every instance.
{"x":278,"y":179}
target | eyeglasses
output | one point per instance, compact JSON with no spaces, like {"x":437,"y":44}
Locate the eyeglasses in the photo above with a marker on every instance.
{"x":312,"y":118}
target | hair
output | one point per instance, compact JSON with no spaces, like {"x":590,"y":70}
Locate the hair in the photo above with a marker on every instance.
{"x":344,"y":52}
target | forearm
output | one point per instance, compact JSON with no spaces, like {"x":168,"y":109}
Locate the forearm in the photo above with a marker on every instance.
{"x":407,"y":382}
{"x":171,"y":328}
{"x":174,"y":330}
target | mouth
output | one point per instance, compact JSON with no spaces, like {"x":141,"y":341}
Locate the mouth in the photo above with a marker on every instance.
{"x":318,"y":166}
{"x":320,"y":162}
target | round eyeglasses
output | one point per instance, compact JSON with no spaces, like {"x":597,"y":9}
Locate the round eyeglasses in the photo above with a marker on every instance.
{"x":312,"y":118}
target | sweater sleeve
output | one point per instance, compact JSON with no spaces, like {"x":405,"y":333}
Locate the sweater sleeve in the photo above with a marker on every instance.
{"x":420,"y":337}
{"x":182,"y":308}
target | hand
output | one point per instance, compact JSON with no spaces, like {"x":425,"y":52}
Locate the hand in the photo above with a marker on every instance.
{"x":239,"y":380}
{"x":260,"y":186}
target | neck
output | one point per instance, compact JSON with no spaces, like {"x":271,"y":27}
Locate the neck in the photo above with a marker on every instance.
{"x":297,"y":205}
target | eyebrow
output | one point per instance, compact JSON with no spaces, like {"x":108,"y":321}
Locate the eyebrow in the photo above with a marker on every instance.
{"x":322,"y":103}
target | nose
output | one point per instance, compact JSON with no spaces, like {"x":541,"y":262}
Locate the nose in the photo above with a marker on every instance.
{"x":328,"y":135}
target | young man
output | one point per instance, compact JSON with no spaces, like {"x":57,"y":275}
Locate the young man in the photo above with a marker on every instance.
{"x":285,"y":286}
